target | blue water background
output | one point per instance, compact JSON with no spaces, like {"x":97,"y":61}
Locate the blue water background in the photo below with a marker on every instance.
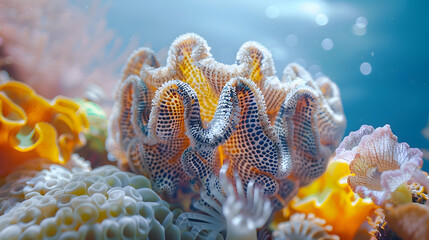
{"x":395,"y":44}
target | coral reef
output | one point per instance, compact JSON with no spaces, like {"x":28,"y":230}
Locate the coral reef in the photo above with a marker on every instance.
{"x":235,"y":214}
{"x":388,"y":172}
{"x":303,"y":227}
{"x":379,"y":163}
{"x":183,"y":120}
{"x":59,"y":47}
{"x":104,"y":203}
{"x":329,"y":197}
{"x":31,"y":127}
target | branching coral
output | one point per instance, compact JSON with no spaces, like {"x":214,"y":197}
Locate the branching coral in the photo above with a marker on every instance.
{"x":379,"y":163}
{"x":58,"y":47}
{"x":105,"y":203}
{"x":330,"y":197}
{"x":280,"y":133}
{"x":236,"y":213}
{"x":31,"y":127}
{"x":303,"y":227}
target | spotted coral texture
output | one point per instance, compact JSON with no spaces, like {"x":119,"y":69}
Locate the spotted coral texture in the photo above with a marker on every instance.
{"x":330,"y":197}
{"x":32,"y":127}
{"x":303,"y":227}
{"x":379,"y":163}
{"x":104,"y":203}
{"x":183,"y":120}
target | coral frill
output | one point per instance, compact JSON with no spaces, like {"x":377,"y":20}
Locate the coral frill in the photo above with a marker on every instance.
{"x":330,"y":198}
{"x":31,"y":127}
{"x":183,"y":120}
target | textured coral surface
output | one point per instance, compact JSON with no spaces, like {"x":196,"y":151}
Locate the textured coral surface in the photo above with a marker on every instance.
{"x":104,"y":203}
{"x":183,"y":120}
{"x":304,"y":227}
{"x":31,"y":127}
{"x":379,"y":163}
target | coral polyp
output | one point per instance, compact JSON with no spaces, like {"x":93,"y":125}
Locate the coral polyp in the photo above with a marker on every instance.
{"x":104,"y":203}
{"x":183,"y":120}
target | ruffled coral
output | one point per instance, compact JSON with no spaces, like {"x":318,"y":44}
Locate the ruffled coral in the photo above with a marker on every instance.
{"x":379,"y":163}
{"x":31,"y":127}
{"x":101,"y":204}
{"x":330,"y":197}
{"x":303,"y":227}
{"x":183,"y":120}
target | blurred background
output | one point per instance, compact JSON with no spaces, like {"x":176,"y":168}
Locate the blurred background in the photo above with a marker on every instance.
{"x":376,"y":51}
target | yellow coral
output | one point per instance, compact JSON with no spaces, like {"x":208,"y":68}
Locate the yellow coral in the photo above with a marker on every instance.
{"x":330,"y":198}
{"x":31,"y":127}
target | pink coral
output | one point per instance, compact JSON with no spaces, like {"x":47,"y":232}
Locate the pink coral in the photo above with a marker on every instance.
{"x":379,"y":163}
{"x":57,"y":47}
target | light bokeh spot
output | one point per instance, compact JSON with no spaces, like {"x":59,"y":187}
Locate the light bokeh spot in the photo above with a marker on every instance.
{"x":365,"y":68}
{"x":327,"y":44}
{"x":272,"y":11}
{"x":322,"y":19}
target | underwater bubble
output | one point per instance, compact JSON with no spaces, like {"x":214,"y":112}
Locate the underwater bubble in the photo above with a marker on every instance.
{"x":301,"y":62}
{"x":272,"y":11}
{"x":278,"y":53}
{"x":358,"y":31}
{"x":327,"y":44}
{"x":322,"y":19}
{"x":361,"y":22}
{"x":314,"y":69}
{"x":310,"y":7}
{"x":291,"y":40}
{"x":365,"y":68}
{"x":318,"y":75}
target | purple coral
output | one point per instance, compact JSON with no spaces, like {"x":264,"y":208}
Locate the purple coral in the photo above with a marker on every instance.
{"x":379,"y":163}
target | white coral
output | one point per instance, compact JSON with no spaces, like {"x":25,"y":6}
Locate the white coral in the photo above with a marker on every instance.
{"x":237,"y":213}
{"x":105,"y":203}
